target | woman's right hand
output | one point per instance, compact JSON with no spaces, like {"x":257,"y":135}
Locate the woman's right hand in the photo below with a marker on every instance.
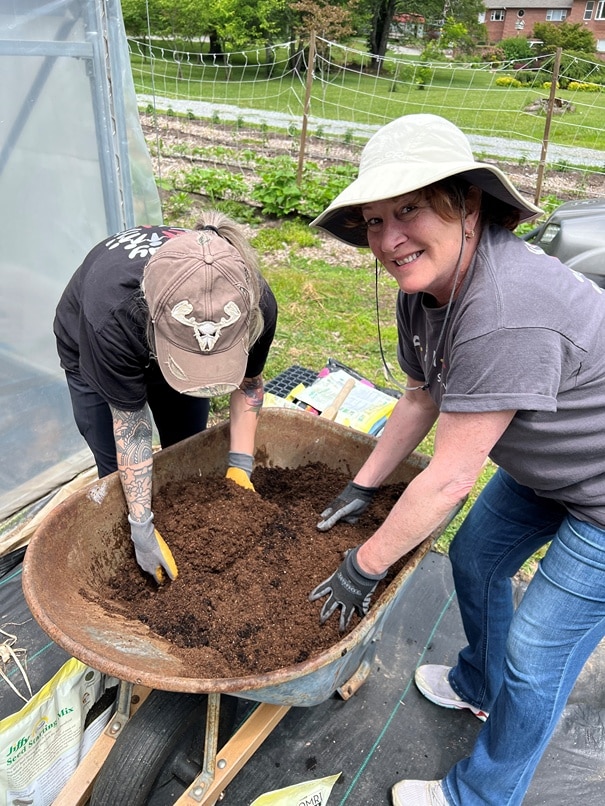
{"x":151,"y":550}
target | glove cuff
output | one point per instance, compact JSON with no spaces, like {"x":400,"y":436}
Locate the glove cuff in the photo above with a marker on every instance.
{"x":355,"y":571}
{"x":244,"y":461}
{"x":140,"y":524}
{"x":367,"y":492}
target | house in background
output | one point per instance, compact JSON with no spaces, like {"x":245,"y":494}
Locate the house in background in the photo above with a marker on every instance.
{"x":508,"y":18}
{"x":406,"y":26}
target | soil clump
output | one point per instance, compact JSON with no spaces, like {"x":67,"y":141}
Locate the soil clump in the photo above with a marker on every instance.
{"x":247,"y":561}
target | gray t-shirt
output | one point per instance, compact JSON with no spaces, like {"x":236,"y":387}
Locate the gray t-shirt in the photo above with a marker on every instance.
{"x":525,"y":333}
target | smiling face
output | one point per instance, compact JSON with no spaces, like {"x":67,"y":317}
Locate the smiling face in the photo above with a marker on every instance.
{"x":419,"y":247}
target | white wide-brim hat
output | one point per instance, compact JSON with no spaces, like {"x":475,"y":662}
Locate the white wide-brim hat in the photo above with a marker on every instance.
{"x":407,"y":154}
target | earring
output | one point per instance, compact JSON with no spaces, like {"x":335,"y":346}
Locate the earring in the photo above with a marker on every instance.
{"x":469,"y":235}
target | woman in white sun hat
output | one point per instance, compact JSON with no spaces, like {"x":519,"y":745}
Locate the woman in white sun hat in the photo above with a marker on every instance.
{"x":504,"y":348}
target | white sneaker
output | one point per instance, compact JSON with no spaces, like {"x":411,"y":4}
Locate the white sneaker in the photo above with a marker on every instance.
{"x":418,"y":793}
{"x":431,"y":680}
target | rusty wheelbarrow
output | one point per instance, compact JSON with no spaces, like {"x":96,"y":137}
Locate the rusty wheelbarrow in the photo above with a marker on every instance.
{"x":78,"y":537}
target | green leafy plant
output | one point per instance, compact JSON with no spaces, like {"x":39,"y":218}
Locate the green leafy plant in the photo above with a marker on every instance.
{"x":321,"y":186}
{"x":177,"y":204}
{"x":291,"y":233}
{"x":216,"y":183}
{"x":277,"y":191}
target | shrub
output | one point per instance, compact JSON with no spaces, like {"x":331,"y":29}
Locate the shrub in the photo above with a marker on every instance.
{"x":580,"y":86}
{"x":516,"y":47}
{"x":494,"y":54}
{"x":576,"y":67}
{"x":565,"y":35}
{"x":508,"y":81}
{"x":527,"y":77}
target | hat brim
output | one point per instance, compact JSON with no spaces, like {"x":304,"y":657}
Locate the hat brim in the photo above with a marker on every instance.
{"x":377,"y":184}
{"x":199,"y":375}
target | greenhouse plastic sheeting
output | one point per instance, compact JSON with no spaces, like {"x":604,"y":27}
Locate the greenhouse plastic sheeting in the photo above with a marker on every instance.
{"x":74,"y":168}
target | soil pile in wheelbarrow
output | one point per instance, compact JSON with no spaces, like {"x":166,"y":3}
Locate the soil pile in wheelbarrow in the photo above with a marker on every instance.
{"x":247,"y":562}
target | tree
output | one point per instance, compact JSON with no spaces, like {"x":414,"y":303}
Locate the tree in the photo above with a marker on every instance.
{"x":516,"y":48}
{"x":435,"y":13}
{"x":134,"y":14}
{"x":564,"y":35}
{"x":226,"y":23}
{"x":382,"y":13}
{"x":328,"y":20}
{"x":454,"y":34}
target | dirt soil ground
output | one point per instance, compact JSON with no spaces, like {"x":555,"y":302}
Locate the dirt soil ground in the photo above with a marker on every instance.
{"x":188,"y":144}
{"x":191,"y":137}
{"x":247,"y":562}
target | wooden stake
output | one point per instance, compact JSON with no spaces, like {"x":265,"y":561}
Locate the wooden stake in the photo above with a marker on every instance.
{"x":549,"y":114}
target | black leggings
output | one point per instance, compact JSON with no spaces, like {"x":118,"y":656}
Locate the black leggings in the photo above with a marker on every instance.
{"x":176,"y":417}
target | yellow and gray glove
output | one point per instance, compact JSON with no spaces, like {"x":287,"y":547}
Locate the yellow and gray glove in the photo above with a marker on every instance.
{"x":151,"y":551}
{"x":240,"y":469}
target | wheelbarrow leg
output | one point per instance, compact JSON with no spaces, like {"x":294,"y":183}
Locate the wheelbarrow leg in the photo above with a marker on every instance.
{"x":205,"y":778}
{"x":122,"y":714}
{"x":216,"y":775}
{"x":358,"y":678}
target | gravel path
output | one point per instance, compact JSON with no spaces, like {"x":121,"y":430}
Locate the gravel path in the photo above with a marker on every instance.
{"x":497,"y":147}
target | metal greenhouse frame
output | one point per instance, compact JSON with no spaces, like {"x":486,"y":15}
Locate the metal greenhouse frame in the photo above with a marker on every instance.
{"x":74,"y":168}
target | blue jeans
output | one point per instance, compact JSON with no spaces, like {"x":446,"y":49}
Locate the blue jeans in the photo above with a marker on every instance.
{"x":176,"y":417}
{"x":520,"y":665}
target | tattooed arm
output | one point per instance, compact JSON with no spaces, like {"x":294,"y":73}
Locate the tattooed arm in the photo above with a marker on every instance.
{"x":133,"y":432}
{"x":244,"y":407}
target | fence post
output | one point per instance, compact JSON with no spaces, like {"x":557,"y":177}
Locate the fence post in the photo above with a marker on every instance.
{"x":303,"y":134}
{"x":549,"y":114}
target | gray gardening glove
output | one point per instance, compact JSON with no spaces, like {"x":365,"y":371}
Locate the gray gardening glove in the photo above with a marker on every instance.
{"x":152,"y":553}
{"x":349,"y":505}
{"x":349,"y":588}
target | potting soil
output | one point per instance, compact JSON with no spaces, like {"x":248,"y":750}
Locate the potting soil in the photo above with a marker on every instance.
{"x":247,"y":562}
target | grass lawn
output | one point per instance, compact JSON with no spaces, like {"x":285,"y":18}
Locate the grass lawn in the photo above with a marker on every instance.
{"x":469,"y":97}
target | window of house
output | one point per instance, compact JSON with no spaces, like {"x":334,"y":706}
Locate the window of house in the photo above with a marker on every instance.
{"x":588,"y":9}
{"x":557,"y":14}
{"x":497,"y":14}
{"x":600,"y":15}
